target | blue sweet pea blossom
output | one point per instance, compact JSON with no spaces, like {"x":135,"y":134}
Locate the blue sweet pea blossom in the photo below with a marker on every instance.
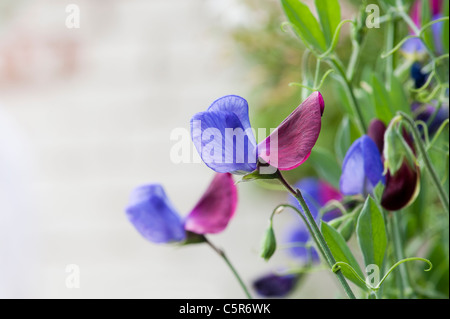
{"x":154,"y":216}
{"x":225,"y":140}
{"x":362,"y":168}
{"x":223,"y":136}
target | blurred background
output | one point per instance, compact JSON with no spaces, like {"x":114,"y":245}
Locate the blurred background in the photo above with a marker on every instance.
{"x":86,"y":115}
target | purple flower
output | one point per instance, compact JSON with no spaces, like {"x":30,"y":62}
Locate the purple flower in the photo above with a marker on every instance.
{"x":316,"y":194}
{"x":362,"y":168}
{"x":223,"y":136}
{"x":272,"y":285}
{"x":153,"y":215}
{"x":419,"y":77}
{"x":415,"y":47}
{"x":426,"y":112}
{"x":225,"y":140}
{"x":401,"y":188}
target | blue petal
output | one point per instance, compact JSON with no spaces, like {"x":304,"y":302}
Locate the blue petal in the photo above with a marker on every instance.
{"x":212,"y":133}
{"x":274,"y":285}
{"x":413,"y":46}
{"x":309,"y":188}
{"x":419,"y":77}
{"x":373,"y":166}
{"x":437,"y":30}
{"x":153,"y":215}
{"x":300,"y":236}
{"x":234,"y":104}
{"x":362,"y":168}
{"x":353,"y":175}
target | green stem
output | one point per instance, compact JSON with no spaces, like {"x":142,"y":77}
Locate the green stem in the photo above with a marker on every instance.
{"x":426,"y":159}
{"x":221,"y":253}
{"x":317,"y":234}
{"x":307,"y":225}
{"x":353,"y":61}
{"x":316,"y":74}
{"x":337,"y":66}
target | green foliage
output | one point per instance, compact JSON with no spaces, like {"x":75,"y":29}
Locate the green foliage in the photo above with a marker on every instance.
{"x":371,"y":233}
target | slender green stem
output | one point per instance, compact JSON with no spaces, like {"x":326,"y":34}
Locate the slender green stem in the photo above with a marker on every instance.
{"x":317,"y":234}
{"x":338,"y":67}
{"x":317,"y":73}
{"x":353,"y":61}
{"x":221,"y":253}
{"x":426,"y":159}
{"x":307,"y":225}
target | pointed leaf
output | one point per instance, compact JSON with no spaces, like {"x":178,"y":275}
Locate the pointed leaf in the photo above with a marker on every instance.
{"x":371,"y":233}
{"x":306,"y":25}
{"x":341,"y":252}
{"x":330,"y":16}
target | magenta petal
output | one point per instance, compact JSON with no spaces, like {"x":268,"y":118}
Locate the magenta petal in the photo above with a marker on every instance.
{"x":290,"y":144}
{"x":216,"y":207}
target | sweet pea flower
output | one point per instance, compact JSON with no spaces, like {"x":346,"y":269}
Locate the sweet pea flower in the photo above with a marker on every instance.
{"x":415,"y":48}
{"x":417,"y":74}
{"x":316,"y":194}
{"x":273,"y":285}
{"x":401,"y":188}
{"x":225,"y":139}
{"x":155,"y":218}
{"x":362,"y":168}
{"x":425,"y":112}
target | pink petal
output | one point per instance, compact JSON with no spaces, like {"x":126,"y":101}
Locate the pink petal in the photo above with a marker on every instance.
{"x":295,"y":136}
{"x":328,"y":193}
{"x":216,"y":207}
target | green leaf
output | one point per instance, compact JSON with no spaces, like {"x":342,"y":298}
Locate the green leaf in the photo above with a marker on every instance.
{"x":326,"y":165}
{"x":330,"y":16}
{"x":306,"y":25}
{"x":342,"y":253}
{"x":347,"y":229}
{"x":371,"y":233}
{"x":378,"y":191}
{"x":381,"y":100}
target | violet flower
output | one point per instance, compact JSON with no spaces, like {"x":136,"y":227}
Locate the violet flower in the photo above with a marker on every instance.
{"x":426,"y":112}
{"x":401,"y":188}
{"x":273,"y":285}
{"x":362,"y":168}
{"x":225,"y":140}
{"x":155,"y":218}
{"x":414,"y":47}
